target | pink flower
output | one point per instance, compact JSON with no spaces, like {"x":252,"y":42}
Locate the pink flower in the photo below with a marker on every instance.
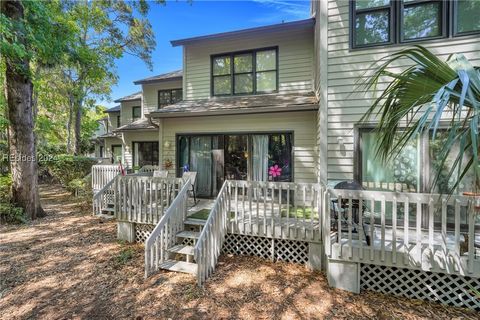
{"x":275,"y":171}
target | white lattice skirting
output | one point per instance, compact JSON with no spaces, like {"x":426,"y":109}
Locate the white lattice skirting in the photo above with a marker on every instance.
{"x":447,"y":289}
{"x":274,"y":249}
{"x":142,"y":232}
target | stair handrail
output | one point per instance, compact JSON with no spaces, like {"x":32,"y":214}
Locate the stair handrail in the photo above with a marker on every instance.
{"x":211,"y":239}
{"x":163,"y":235}
{"x":98,"y":201}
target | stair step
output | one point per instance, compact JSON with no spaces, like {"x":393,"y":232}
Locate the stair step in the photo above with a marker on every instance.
{"x":195,"y":222}
{"x":112,"y":210}
{"x":179,"y":266}
{"x":188,"y":234}
{"x":182,"y":249}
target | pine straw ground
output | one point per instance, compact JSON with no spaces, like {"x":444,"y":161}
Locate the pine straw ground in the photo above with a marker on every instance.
{"x":70,"y":266}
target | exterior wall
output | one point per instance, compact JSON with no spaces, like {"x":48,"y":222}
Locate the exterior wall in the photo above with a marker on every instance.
{"x":302,"y":124}
{"x":135,"y":136}
{"x":112,"y":120}
{"x":295,"y":50}
{"x":108,"y":146}
{"x":346,"y":66}
{"x":126,"y":114}
{"x":150,"y":93}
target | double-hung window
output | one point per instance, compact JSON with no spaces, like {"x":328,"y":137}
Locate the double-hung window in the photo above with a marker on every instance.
{"x":467,"y":17}
{"x":170,"y":96}
{"x":118,"y":121}
{"x":382,"y":22}
{"x":249,"y":72}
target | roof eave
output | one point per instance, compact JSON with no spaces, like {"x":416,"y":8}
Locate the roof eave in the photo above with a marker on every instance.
{"x":157,"y":80}
{"x":293,"y":24}
{"x":253,"y":110}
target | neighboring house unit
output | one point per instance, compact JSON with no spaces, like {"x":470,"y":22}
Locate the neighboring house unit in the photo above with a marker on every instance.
{"x":272,"y":114}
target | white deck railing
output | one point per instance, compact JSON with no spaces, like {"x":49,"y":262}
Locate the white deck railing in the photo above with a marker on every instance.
{"x":144,"y":198}
{"x":103,"y":174}
{"x":211,"y":239}
{"x":164,"y":234}
{"x":105,"y":197}
{"x":276,"y":209}
{"x":426,"y":231}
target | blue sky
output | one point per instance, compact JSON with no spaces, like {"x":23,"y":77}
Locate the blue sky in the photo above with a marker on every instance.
{"x":180,"y":19}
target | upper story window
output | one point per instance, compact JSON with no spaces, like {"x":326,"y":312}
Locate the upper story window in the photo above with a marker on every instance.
{"x":170,"y":96}
{"x":136,"y":113}
{"x":381,"y":22}
{"x":247,"y":72}
{"x":118,"y":121}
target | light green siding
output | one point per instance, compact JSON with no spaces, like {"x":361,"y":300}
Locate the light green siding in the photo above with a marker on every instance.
{"x":127,"y":112}
{"x":295,"y":50}
{"x":346,"y":67}
{"x":302,"y":124}
{"x":135,"y":136}
{"x":150,"y":93}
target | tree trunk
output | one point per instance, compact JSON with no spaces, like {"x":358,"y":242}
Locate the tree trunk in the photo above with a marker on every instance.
{"x":69,"y":123}
{"x":78,"y":126}
{"x":21,"y":117}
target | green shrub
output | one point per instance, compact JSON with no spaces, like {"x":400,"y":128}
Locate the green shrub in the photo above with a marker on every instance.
{"x":66,"y":168}
{"x":11,"y":214}
{"x":77,"y":186}
{"x":5,"y":188}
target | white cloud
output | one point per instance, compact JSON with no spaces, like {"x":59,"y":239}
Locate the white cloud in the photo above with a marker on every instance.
{"x":284,"y":10}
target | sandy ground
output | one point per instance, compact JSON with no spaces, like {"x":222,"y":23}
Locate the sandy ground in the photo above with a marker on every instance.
{"x":70,"y":266}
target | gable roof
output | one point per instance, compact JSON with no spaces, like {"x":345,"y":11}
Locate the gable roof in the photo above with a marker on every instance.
{"x":132,"y":97}
{"x":114,"y":109}
{"x":299,"y":24}
{"x":174,"y":75}
{"x":239,"y":105}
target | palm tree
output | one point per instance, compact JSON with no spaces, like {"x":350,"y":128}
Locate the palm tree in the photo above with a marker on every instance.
{"x":417,"y":100}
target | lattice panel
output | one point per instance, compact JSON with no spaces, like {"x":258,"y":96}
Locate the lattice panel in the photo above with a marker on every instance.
{"x":291,"y":251}
{"x":447,"y":289}
{"x":109,"y":197}
{"x":248,"y":245}
{"x":142,"y":232}
{"x":283,"y":250}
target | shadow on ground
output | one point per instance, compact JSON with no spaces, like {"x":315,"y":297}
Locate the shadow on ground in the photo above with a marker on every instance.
{"x":69,"y":265}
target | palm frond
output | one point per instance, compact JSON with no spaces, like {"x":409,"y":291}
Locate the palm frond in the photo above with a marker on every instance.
{"x":419,"y":99}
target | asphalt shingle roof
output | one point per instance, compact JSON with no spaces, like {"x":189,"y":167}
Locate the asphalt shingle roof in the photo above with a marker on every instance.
{"x":239,"y":105}
{"x":177,"y":74}
{"x":132,"y":97}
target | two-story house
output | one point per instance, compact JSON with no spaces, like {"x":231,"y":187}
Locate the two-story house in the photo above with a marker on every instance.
{"x":278,"y":103}
{"x":249,"y":106}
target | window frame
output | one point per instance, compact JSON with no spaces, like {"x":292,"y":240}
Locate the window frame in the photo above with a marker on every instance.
{"x":454,"y":22}
{"x":135,"y":155}
{"x":443,"y":19}
{"x":254,"y":72}
{"x":448,"y":21}
{"x":133,"y":113}
{"x":170,"y":91}
{"x":119,"y":121}
{"x":353,"y":18}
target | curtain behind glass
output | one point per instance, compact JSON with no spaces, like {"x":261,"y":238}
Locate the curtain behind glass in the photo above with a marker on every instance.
{"x":260,"y":157}
{"x":201,"y":162}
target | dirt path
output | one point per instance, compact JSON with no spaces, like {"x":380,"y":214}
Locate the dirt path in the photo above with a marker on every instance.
{"x":70,"y":266}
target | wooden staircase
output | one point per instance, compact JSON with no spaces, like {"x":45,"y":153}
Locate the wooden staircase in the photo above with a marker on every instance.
{"x":181,"y":254}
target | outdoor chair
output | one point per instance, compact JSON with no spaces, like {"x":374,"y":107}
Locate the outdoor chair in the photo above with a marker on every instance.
{"x":193,"y":176}
{"x":160,"y":174}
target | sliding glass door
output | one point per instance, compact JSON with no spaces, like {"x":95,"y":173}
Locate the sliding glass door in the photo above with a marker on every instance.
{"x":258,"y":157}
